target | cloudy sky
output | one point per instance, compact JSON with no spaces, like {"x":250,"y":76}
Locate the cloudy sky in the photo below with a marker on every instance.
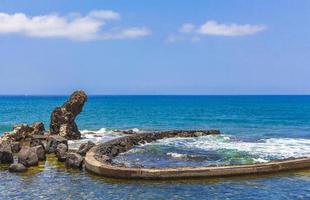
{"x":155,"y":47}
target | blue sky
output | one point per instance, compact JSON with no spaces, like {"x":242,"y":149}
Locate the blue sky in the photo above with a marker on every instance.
{"x":155,"y":47}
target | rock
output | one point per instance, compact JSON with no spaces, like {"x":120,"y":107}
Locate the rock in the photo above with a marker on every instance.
{"x":22,"y":131}
{"x":27,"y":156}
{"x":17,"y":167}
{"x":53,"y":141}
{"x":104,"y":158}
{"x":63,"y":118}
{"x":6,"y":155}
{"x":74,"y":160}
{"x":36,"y":142}
{"x":85,"y":147}
{"x":61,"y":152}
{"x":38,"y":128}
{"x":15,"y":146}
{"x":40,"y":151}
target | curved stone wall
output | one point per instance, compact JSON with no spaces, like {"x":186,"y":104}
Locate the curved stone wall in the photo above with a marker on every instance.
{"x":98,"y":160}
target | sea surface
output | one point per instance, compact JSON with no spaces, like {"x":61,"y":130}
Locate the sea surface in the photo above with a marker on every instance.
{"x":255,"y":129}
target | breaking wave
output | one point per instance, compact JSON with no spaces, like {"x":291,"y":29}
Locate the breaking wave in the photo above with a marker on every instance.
{"x":263,"y":150}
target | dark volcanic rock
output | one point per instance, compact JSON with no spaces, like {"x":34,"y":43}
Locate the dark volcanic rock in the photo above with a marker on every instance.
{"x":22,"y":131}
{"x":61,"y":152}
{"x":74,"y":160}
{"x":63,"y":118}
{"x":53,"y":141}
{"x":17,"y":167}
{"x":27,"y":156}
{"x":40,"y":151}
{"x":38,"y":128}
{"x":6,"y":155}
{"x":15,"y":146}
{"x":85,"y":147}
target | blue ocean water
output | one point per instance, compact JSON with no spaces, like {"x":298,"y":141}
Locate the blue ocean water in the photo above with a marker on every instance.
{"x":262,"y":124}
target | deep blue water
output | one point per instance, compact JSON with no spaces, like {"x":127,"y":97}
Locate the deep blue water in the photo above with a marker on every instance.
{"x":279,"y":120}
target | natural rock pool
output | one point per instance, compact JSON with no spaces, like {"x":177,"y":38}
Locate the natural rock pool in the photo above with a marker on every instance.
{"x":277,"y":125}
{"x":212,"y":150}
{"x":53,"y":181}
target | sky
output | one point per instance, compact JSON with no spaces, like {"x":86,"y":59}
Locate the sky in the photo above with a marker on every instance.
{"x":120,"y":47}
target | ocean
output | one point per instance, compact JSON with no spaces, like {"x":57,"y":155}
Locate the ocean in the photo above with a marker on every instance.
{"x":255,"y":129}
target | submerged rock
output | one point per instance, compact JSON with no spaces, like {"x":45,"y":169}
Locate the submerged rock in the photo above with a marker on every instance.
{"x":85,"y":147}
{"x":17,"y":167}
{"x":53,"y":141}
{"x":6,"y":155}
{"x":74,"y":160}
{"x":61,"y":152}
{"x":63,"y":118}
{"x":27,"y":156}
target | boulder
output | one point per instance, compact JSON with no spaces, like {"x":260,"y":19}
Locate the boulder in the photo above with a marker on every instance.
{"x":6,"y":155}
{"x":27,"y":156}
{"x":17,"y":167}
{"x":15,"y":146}
{"x":61,"y":152}
{"x":63,"y":118}
{"x":53,"y":141}
{"x":74,"y":160}
{"x":40,"y":151}
{"x":85,"y":147}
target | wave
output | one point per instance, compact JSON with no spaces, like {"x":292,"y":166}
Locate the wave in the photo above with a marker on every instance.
{"x":263,"y":150}
{"x":99,"y":136}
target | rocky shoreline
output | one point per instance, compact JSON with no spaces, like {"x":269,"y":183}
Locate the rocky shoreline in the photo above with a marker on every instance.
{"x":26,"y":145}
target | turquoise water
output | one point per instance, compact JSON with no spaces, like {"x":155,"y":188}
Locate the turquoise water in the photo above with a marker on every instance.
{"x":263,"y":127}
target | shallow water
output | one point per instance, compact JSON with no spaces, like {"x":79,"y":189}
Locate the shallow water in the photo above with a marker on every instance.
{"x":262,"y":127}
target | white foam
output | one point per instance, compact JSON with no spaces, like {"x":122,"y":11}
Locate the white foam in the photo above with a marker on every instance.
{"x":263,"y":150}
{"x":176,"y":155}
{"x":98,"y":136}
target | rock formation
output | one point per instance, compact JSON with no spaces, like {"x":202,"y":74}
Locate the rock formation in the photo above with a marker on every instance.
{"x":74,"y":160}
{"x":85,"y":147}
{"x":22,"y":131}
{"x":53,"y":141}
{"x":17,"y":167}
{"x":6,"y":155}
{"x":63,"y":118}
{"x":61,"y":152}
{"x":28,"y":157}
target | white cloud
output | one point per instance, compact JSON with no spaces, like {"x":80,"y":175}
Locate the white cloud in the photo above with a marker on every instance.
{"x":72,"y":26}
{"x":187,"y":28}
{"x":215,"y":28}
{"x":191,"y":32}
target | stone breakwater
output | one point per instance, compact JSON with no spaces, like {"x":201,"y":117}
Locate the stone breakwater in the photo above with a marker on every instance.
{"x":120,"y":145}
{"x":99,"y":160}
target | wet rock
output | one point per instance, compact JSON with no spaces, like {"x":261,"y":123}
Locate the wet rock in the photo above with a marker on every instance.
{"x":6,"y":155}
{"x":63,"y":118}
{"x":74,"y":160}
{"x":61,"y":152}
{"x":40,"y":151}
{"x":53,"y":141}
{"x":27,"y":156}
{"x":104,"y":158}
{"x":85,"y":147}
{"x":17,"y":167}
